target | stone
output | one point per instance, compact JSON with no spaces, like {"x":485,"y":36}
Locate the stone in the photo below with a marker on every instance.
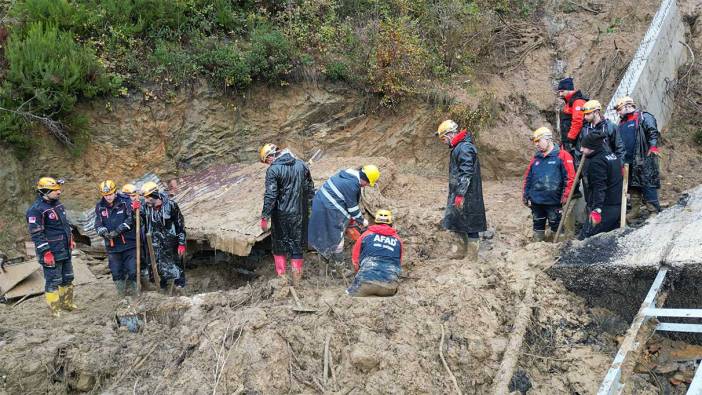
{"x":364,"y":359}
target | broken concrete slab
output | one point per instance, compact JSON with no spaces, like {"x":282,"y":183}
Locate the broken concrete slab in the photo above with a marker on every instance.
{"x":222,"y":203}
{"x":615,"y":270}
{"x":27,"y":279}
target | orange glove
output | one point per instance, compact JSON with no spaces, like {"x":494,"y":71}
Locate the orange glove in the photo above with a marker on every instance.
{"x":73,"y":244}
{"x":458,"y":201}
{"x":595,"y":217}
{"x":136,"y":205}
{"x":264,"y":224}
{"x":181,"y":250}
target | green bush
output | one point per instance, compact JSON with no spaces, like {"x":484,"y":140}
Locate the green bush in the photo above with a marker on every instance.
{"x":270,"y":54}
{"x":174,"y":64}
{"x":697,"y":137}
{"x":47,"y":73}
{"x":226,"y":66}
{"x":337,"y":71}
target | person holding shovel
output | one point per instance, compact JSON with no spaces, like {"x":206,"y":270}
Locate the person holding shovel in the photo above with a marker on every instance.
{"x":465,"y":209}
{"x":50,"y":231}
{"x":602,"y":176}
{"x":286,"y":203}
{"x":640,"y":135}
{"x":377,"y":259}
{"x":548,"y":181}
{"x":166,"y":225}
{"x":114,"y":222}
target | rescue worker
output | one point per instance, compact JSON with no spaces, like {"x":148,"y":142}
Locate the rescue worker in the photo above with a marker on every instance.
{"x":114,"y":222}
{"x":548,"y":181}
{"x":334,"y":206}
{"x":50,"y":231}
{"x":465,"y":209}
{"x":377,"y":259}
{"x":595,"y":121}
{"x":286,"y":202}
{"x":164,"y":221}
{"x":571,"y":115}
{"x":639,"y":132}
{"x":602,"y":175}
{"x":137,"y":203}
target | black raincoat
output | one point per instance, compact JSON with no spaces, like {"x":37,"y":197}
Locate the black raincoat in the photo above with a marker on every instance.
{"x":464,"y":180}
{"x":167,"y":227}
{"x":643,"y":168}
{"x":613,"y":140}
{"x":289,"y":192}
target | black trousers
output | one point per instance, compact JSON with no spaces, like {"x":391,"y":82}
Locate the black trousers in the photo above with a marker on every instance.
{"x":611,"y":216}
{"x":542,"y":213}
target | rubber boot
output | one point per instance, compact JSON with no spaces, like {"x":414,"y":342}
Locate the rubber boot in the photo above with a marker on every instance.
{"x":459,"y":246}
{"x":296,"y":271}
{"x":66,"y":298}
{"x":279,"y":261}
{"x":130,"y":288}
{"x":538,"y":236}
{"x":54,"y":301}
{"x":635,"y":210}
{"x":121,"y":288}
{"x":653,"y":208}
{"x":472,"y":247}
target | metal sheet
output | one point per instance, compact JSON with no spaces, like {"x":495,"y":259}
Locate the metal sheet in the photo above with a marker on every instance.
{"x":675,"y":327}
{"x":679,"y":313}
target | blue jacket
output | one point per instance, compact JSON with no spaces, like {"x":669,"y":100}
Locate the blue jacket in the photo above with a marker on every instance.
{"x":117,"y":217}
{"x":377,"y":256}
{"x":50,"y":229}
{"x":548,"y":179}
{"x":334,"y":204}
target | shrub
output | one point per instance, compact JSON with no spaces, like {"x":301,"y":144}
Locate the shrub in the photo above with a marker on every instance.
{"x":226,"y":66}
{"x":337,"y":71}
{"x":174,"y":64}
{"x":47,"y":72}
{"x":270,"y":55}
{"x":697,"y":137}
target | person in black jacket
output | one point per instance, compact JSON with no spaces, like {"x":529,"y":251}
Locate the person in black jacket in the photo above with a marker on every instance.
{"x":602,"y":175}
{"x":595,"y":121}
{"x":114,"y":221}
{"x":639,"y":132}
{"x":286,"y":203}
{"x":465,"y":209}
{"x":166,"y":225}
{"x":50,"y":231}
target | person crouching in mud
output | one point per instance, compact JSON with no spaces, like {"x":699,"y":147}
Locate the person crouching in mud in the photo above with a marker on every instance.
{"x":377,"y":258}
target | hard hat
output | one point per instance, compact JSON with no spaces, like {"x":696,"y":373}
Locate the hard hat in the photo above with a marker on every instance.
{"x":129,"y":189}
{"x":148,"y":188}
{"x":448,"y":126}
{"x":383,"y":217}
{"x":267,"y":150}
{"x":541,"y":133}
{"x":624,"y":100}
{"x":372,"y":173}
{"x":108,"y":187}
{"x":592,"y":105}
{"x":48,"y":183}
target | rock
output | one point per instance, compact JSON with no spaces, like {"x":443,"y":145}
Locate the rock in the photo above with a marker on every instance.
{"x":364,"y":359}
{"x":669,"y":367}
{"x":84,"y":383}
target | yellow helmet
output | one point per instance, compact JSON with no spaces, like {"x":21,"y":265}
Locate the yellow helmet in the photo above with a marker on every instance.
{"x":541,"y":133}
{"x":372,"y":173}
{"x":622,"y":101}
{"x":383,"y":217}
{"x":267,"y":150}
{"x":129,"y":189}
{"x":108,"y":187}
{"x":448,"y":126}
{"x":592,"y":105}
{"x":148,"y":188}
{"x":48,"y":183}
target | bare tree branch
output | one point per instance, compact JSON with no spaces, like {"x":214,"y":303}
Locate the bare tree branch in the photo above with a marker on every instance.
{"x":55,"y":128}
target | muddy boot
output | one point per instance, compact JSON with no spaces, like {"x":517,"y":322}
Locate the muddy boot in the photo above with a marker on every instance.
{"x":635,"y":210}
{"x":472,"y":247}
{"x":130,"y":288}
{"x":458,"y":247}
{"x":538,"y":236}
{"x":120,"y":285}
{"x":66,"y":298}
{"x":54,"y":301}
{"x":653,"y":208}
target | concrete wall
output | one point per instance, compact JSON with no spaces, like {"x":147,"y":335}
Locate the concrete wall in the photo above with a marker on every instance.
{"x":655,"y":63}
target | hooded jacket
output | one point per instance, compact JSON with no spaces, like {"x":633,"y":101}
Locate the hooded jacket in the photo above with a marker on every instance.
{"x":602,"y":175}
{"x":572,"y":117}
{"x":640,"y":133}
{"x":49,"y":229}
{"x":549,"y":178}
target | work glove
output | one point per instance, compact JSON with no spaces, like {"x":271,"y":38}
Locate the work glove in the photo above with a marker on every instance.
{"x":595,"y":217}
{"x":102,"y":231}
{"x":365,"y":223}
{"x":49,"y":259}
{"x":264,"y":224}
{"x":136,"y":205}
{"x":526,"y":202}
{"x":458,"y":201}
{"x":73,"y":244}
{"x":653,"y":150}
{"x":181,"y":250}
{"x":564,"y":200}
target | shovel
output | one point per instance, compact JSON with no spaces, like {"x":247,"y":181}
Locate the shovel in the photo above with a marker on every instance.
{"x":299,"y":308}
